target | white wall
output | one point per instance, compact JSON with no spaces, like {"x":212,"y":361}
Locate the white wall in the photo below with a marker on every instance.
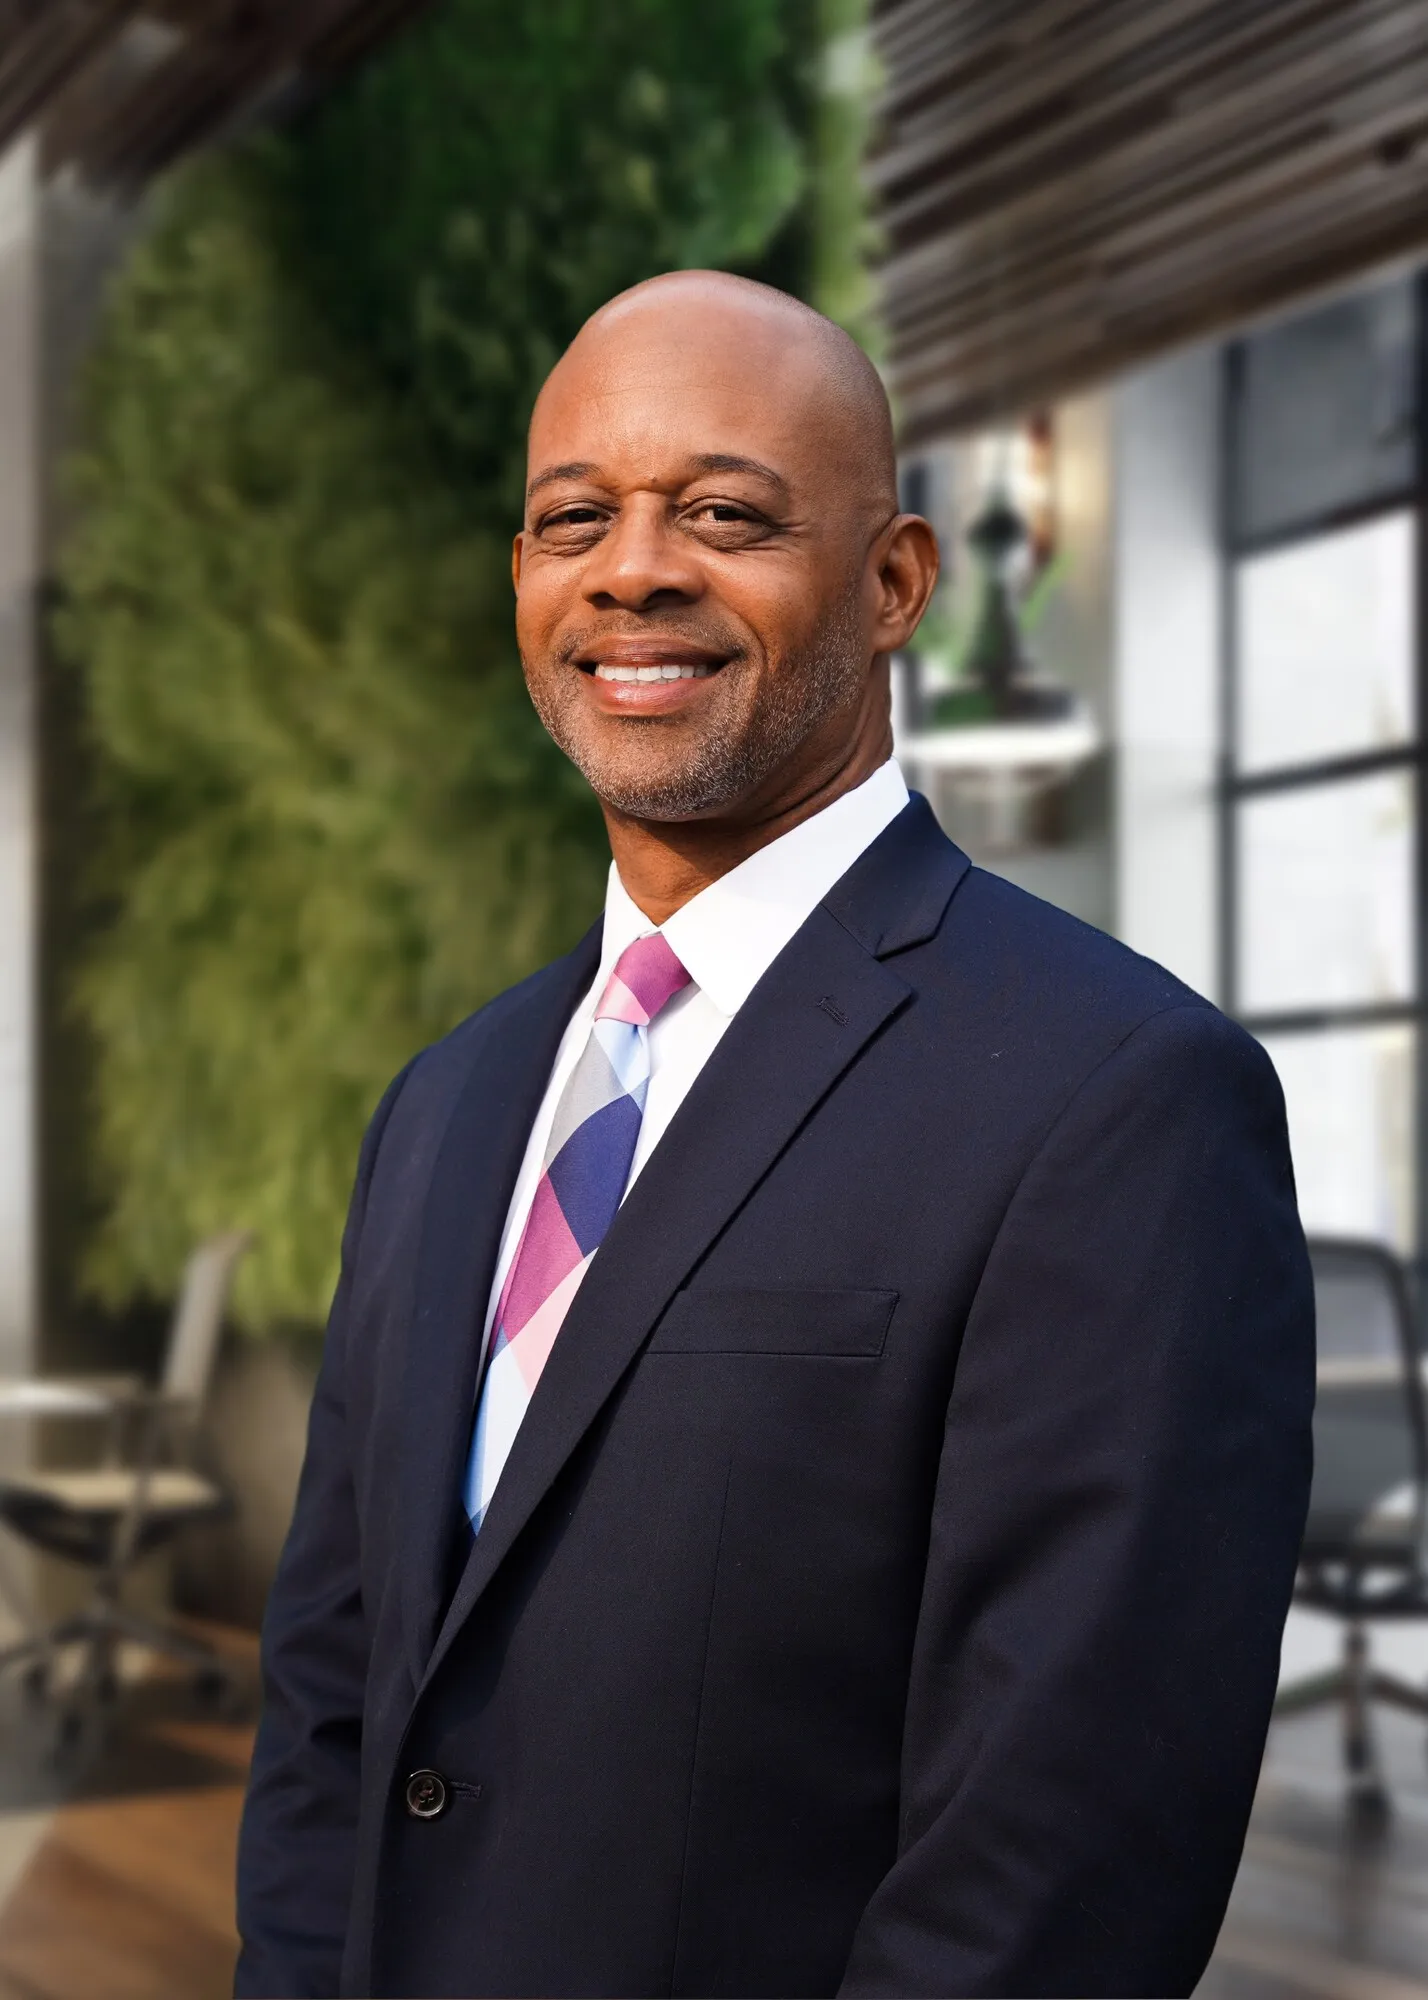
{"x":19,"y":559}
{"x":1167,"y":585}
{"x":1134,"y":628}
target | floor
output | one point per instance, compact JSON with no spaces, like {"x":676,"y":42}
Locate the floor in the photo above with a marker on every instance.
{"x":1324,"y":1905}
{"x":116,"y":1859}
{"x":116,"y":1868}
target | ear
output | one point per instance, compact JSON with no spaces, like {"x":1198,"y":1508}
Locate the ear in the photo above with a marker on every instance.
{"x":906,"y":561}
{"x":516,"y":560}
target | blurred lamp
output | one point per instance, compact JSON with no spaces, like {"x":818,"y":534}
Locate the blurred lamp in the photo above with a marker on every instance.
{"x":1007,"y":738}
{"x":1020,"y":464}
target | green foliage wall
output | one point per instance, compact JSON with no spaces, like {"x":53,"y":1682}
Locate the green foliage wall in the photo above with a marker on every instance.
{"x":333,"y":826}
{"x":545,"y":158}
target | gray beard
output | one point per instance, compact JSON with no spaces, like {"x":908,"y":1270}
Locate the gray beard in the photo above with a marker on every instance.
{"x":729,"y":763}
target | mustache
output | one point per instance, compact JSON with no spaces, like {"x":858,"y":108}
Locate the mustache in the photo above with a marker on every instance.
{"x":692,"y":632}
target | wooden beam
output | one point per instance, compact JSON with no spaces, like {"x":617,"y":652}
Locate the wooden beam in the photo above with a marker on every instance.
{"x":1069,"y":186}
{"x":221,"y":65}
{"x":1163,"y":185}
{"x":49,"y":51}
{"x":1088,"y":330}
{"x":64,"y":62}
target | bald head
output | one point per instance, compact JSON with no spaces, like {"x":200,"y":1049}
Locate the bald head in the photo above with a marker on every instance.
{"x":713,"y":569}
{"x":786,"y":351}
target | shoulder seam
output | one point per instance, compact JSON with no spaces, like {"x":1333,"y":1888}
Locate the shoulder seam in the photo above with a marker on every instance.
{"x":1197,"y":1005}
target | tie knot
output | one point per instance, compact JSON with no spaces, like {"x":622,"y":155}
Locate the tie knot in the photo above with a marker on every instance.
{"x":647,"y":976}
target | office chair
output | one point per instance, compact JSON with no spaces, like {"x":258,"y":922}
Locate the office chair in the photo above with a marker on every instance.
{"x":106,"y":1517}
{"x":1365,"y":1552}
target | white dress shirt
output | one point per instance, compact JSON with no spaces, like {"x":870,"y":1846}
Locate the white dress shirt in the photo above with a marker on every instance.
{"x":726,"y":938}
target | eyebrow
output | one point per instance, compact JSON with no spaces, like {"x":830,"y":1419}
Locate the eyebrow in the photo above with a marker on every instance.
{"x":578,"y":469}
{"x":722,"y":461}
{"x":707,"y":461}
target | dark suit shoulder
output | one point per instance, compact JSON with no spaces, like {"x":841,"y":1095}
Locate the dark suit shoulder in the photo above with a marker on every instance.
{"x":453,"y":1053}
{"x":440,"y":1069}
{"x":1057,"y":968}
{"x":1018,"y":1005}
{"x":986,"y":948}
{"x":407,"y":1128}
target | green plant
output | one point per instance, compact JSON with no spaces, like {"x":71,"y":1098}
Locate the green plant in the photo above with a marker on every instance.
{"x":332,"y":824}
{"x":473,"y":197}
{"x":841,"y":235}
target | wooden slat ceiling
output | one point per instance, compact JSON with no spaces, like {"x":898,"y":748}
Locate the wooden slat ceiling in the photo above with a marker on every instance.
{"x":1069,"y":186}
{"x":119,"y":88}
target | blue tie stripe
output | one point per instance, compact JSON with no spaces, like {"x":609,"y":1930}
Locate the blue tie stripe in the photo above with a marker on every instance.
{"x":590,"y":1170}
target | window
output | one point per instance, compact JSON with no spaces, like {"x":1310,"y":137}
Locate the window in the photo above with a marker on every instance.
{"x":1323,"y":776}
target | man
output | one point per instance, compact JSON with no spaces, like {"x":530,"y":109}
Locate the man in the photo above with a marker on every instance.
{"x":813,"y":1439}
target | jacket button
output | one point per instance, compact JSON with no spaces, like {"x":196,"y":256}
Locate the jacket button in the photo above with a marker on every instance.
{"x":427,"y":1795}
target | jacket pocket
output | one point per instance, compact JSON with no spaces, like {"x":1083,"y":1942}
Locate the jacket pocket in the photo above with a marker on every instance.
{"x":742,"y":1320}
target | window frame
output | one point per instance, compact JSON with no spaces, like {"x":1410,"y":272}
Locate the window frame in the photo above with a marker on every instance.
{"x":1236,"y":787}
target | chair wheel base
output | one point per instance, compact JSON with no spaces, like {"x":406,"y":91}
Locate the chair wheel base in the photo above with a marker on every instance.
{"x":216,"y":1691}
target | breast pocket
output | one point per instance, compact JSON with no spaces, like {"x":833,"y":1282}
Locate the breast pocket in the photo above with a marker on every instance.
{"x":745,"y":1320}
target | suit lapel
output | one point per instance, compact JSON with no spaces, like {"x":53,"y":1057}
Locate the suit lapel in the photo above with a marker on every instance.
{"x":808,"y":1019}
{"x":476,"y":1167}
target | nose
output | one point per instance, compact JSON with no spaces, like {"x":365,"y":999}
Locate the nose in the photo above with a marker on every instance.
{"x":643,"y":561}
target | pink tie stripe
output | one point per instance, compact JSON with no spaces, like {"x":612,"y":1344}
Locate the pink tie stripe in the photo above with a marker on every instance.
{"x":547,"y":1256}
{"x":646,"y":978}
{"x":587,"y":1165}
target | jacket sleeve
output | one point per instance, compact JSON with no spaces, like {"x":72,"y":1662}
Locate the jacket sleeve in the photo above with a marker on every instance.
{"x":298,"y":1839}
{"x":1121,"y":1496}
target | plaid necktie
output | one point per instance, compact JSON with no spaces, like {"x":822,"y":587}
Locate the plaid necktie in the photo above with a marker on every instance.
{"x":587,"y":1163}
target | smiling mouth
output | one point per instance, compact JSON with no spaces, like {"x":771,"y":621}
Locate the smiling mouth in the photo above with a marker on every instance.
{"x":670,"y":672}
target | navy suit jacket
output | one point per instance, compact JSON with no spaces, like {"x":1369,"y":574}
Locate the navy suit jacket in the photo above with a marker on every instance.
{"x":884,"y":1592}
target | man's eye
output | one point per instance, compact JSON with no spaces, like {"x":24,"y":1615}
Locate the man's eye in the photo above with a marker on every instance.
{"x":572,"y":517}
{"x":724,"y":514}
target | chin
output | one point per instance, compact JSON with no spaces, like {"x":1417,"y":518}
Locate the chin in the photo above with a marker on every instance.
{"x":707,"y":778}
{"x":668,"y":797}
{"x":664,"y":770}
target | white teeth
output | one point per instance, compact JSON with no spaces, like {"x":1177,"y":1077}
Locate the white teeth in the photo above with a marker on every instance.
{"x":604,"y":673}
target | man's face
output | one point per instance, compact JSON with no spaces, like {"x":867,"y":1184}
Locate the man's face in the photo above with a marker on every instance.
{"x":695,"y":608}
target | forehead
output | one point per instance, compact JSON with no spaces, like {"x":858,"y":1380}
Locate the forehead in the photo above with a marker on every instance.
{"x":641,"y":399}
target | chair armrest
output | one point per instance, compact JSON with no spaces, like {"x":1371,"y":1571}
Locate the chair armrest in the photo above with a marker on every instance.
{"x":68,"y":1396}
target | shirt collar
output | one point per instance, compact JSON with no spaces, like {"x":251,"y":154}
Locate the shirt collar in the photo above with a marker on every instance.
{"x":729,"y":935}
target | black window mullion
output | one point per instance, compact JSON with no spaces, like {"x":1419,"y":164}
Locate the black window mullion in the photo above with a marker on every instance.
{"x":1227,"y":817}
{"x":1420,"y":800}
{"x":1236,"y":787}
{"x":1324,"y":771}
{"x":1310,"y":529}
{"x":1340,"y":1014}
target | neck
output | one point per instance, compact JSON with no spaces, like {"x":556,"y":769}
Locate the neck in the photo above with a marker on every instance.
{"x":663,"y":864}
